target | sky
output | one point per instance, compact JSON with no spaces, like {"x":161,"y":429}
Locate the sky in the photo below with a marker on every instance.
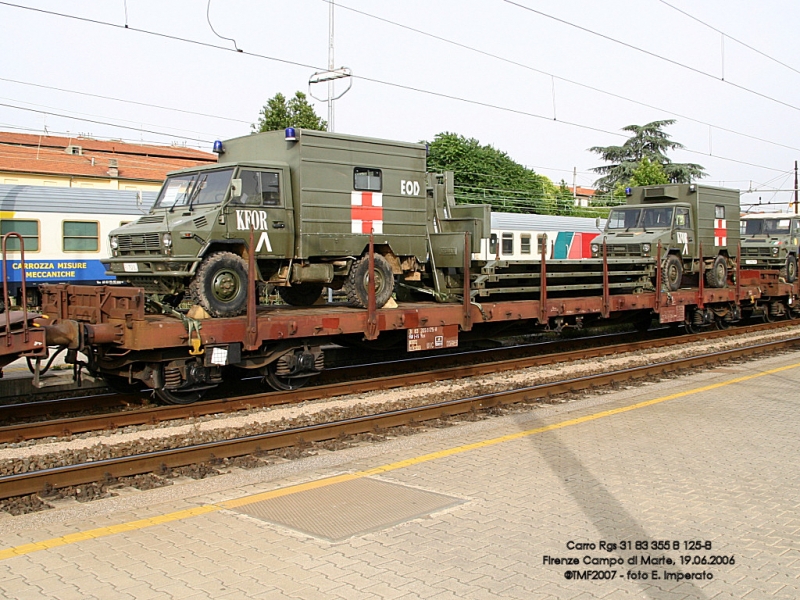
{"x":541,"y":81}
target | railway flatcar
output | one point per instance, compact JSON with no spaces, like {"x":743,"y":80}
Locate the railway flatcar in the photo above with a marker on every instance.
{"x":518,"y":236}
{"x":65,"y":233}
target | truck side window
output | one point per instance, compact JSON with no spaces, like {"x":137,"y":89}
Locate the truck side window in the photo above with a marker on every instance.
{"x":682,"y":219}
{"x":368,"y":180}
{"x":259,"y":188}
{"x":719,"y":212}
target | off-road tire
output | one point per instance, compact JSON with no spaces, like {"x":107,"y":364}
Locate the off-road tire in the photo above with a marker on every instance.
{"x":672,"y":273}
{"x":355,"y":286}
{"x":301,"y":294}
{"x":220,"y":285}
{"x":717,"y":275}
{"x":789,"y":271}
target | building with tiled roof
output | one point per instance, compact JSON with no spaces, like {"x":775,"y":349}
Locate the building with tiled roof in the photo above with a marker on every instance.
{"x":29,"y":159}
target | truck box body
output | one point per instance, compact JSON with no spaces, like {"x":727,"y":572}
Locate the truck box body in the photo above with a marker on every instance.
{"x":332,"y":217}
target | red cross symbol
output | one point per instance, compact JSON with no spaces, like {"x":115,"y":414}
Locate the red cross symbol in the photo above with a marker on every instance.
{"x":720,"y":232}
{"x":366,"y":212}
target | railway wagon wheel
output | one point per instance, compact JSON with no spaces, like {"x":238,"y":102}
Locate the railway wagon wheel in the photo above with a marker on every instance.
{"x":357,"y":284}
{"x":180,"y":396}
{"x":301,"y":294}
{"x":280,"y":382}
{"x":672,"y":273}
{"x":220,"y":285}
{"x":717,"y":275}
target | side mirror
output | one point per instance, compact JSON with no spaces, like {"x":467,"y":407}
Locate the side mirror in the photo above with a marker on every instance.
{"x":597,"y":222}
{"x":236,"y":188}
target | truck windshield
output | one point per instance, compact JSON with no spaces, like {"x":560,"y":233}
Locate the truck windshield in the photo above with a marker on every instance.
{"x":645,"y":218}
{"x":207,"y":187}
{"x":624,"y":218}
{"x":766,"y":226}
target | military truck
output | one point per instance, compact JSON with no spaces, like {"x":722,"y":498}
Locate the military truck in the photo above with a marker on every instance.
{"x":311,"y":199}
{"x":770,"y":241}
{"x":681,"y":217}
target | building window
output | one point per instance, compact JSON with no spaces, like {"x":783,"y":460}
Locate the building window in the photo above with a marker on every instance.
{"x":81,"y":236}
{"x":508,"y":243}
{"x":525,"y":244}
{"x":29,"y":230}
{"x":368,"y":180}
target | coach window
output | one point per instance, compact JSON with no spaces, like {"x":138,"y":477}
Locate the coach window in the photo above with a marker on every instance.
{"x":508,"y":243}
{"x":493,"y":244}
{"x":682,"y":219}
{"x":259,"y":188}
{"x":29,"y":230}
{"x":367,"y":180}
{"x":719,"y":211}
{"x":525,"y":244}
{"x":81,"y":236}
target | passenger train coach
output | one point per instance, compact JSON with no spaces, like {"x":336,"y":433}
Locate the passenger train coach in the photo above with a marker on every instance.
{"x":65,"y":233}
{"x":518,"y":236}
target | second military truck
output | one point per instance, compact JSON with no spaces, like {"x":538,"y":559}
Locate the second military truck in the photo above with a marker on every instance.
{"x":682,"y":218}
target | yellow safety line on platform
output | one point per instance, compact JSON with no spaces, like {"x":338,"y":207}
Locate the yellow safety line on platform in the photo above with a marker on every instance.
{"x":295,"y":489}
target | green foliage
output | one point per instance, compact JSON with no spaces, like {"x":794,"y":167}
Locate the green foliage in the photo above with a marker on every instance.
{"x":279,"y":114}
{"x":648,"y":141}
{"x":486,"y":175}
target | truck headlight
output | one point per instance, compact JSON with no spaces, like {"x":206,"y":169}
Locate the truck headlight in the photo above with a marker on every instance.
{"x":166,"y":239}
{"x":595,"y":248}
{"x":645,"y":247}
{"x":775,"y":250}
{"x":113,"y":242}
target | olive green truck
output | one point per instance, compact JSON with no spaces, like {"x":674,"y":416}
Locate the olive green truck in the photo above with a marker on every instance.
{"x":696,"y":226}
{"x":311,"y":200}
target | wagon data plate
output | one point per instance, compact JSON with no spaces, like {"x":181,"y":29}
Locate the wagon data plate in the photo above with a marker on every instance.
{"x":432,"y":338}
{"x":131,"y":267}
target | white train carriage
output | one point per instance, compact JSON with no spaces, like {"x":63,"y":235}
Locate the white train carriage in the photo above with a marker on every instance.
{"x":64,"y":231}
{"x":518,"y":236}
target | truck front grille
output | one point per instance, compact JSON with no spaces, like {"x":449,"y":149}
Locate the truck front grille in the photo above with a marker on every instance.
{"x":139,"y":242}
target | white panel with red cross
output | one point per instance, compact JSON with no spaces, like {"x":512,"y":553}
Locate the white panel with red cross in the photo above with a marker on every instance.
{"x":720,"y":232}
{"x":366,"y":212}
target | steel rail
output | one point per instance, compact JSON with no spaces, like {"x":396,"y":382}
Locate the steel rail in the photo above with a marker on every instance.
{"x":157,"y":414}
{"x":34,"y":482}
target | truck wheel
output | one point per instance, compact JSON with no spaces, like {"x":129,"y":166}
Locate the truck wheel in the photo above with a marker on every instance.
{"x":301,"y":294}
{"x":220,"y":285}
{"x":789,"y":271}
{"x":717,"y":275}
{"x":672,"y":273}
{"x":357,"y":281}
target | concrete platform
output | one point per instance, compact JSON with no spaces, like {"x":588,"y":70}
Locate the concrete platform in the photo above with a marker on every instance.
{"x":704,"y":467}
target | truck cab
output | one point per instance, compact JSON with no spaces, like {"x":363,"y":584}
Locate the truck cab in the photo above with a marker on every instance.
{"x":682,"y":219}
{"x":770,"y":241}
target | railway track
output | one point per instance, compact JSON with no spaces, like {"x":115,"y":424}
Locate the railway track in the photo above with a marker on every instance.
{"x":97,"y":470}
{"x":353,"y":380}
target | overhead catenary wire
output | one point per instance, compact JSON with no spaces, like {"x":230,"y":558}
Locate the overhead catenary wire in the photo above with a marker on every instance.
{"x":730,"y":37}
{"x":512,"y":62}
{"x":362,"y":77}
{"x":652,"y":54}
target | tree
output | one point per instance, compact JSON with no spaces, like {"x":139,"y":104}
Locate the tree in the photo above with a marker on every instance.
{"x":484,"y":174}
{"x":648,"y":141}
{"x":280,"y":114}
